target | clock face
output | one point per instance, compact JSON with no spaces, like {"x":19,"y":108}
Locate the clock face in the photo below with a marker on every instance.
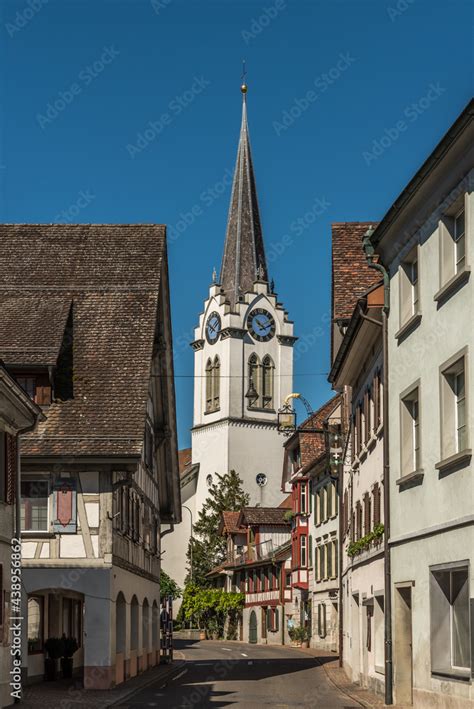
{"x":261,"y":325}
{"x":213,"y":328}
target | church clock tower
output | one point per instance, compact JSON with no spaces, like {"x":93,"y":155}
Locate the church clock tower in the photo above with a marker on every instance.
{"x":243,"y":355}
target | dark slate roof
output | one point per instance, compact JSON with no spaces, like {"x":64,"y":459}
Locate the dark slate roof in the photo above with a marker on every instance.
{"x":111,"y":276}
{"x":244,"y":253}
{"x":32,"y":328}
{"x":263,"y":515}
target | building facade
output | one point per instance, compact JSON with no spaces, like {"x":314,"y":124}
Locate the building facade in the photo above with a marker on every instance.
{"x":18,"y":414}
{"x":426,"y":242}
{"x":243,"y":363}
{"x":90,"y":342}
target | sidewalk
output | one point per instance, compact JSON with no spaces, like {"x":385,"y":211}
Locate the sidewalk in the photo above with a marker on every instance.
{"x":67,"y":694}
{"x":336,"y":675}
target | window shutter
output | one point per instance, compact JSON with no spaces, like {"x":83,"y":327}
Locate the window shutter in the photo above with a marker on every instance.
{"x":336,"y":559}
{"x":64,"y":506}
{"x":376,"y":494}
{"x":10,"y":468}
{"x":366,"y":513}
{"x":43,"y":394}
{"x":310,"y":550}
{"x":353,"y":438}
{"x":310,"y":493}
{"x":276,"y":620}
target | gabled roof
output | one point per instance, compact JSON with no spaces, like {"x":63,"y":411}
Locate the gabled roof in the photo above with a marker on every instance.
{"x":112,"y":276}
{"x":263,"y":515}
{"x":244,"y":253}
{"x":312,"y":445}
{"x":287,"y":503}
{"x":184,"y":460}
{"x":229,"y":523}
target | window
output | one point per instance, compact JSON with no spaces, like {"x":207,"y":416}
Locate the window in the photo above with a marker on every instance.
{"x":34,"y":505}
{"x":254,"y":389}
{"x":410,"y":432}
{"x":35,"y":624}
{"x":452,"y":230}
{"x":453,"y":409}
{"x":450,"y":622}
{"x":272,"y":619}
{"x":72,"y":619}
{"x":322,"y":504}
{"x":287,"y":579}
{"x":38,"y":388}
{"x":459,"y":241}
{"x":321,"y":620}
{"x":303,"y":509}
{"x":303,"y":560}
{"x":409,"y":287}
{"x":322,"y":563}
{"x":329,"y":560}
{"x":213,"y":378}
{"x":268,"y":369}
{"x":377,"y":396}
{"x":358,"y":520}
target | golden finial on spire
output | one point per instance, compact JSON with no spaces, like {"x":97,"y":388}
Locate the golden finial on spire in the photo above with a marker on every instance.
{"x":244,"y":87}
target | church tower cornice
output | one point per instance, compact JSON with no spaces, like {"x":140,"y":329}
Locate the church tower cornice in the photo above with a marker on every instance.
{"x":244,"y":259}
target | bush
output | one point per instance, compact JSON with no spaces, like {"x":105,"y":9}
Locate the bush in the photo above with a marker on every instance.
{"x":298,"y":634}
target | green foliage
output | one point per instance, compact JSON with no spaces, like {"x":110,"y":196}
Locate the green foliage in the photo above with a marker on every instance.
{"x":208,"y":546}
{"x":356,"y":547}
{"x":70,"y":646}
{"x":210,"y":608}
{"x":55,"y":648}
{"x":289,"y":516}
{"x":169,"y":587}
{"x":298,"y":634}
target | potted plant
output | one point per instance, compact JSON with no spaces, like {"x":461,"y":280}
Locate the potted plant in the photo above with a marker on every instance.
{"x":298,"y":636}
{"x":70,"y":646}
{"x":54,"y":648}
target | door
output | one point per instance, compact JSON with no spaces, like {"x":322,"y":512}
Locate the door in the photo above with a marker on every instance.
{"x":253,"y":627}
{"x":403,"y":654}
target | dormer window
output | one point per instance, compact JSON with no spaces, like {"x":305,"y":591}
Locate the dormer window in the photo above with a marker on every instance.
{"x":37,"y":386}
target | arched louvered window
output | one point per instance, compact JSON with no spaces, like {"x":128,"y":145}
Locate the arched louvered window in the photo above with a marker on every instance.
{"x":209,"y":385}
{"x":254,"y":389}
{"x":267,"y":379}
{"x":216,"y":383}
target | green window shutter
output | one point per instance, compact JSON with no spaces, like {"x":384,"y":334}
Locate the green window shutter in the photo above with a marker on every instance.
{"x":276,"y":620}
{"x":310,"y":493}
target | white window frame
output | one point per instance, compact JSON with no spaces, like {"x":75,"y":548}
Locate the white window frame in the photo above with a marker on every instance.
{"x":449,"y":263}
{"x":450,"y":405}
{"x":303,"y":551}
{"x":46,"y":479}
{"x":409,"y":287}
{"x":410,"y":429}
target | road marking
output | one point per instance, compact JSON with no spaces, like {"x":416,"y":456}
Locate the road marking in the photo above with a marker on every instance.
{"x":204,"y":664}
{"x":227,"y":649}
{"x":178,"y":676}
{"x":243,"y":654}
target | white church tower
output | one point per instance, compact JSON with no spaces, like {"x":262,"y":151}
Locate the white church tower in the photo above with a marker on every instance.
{"x":243,"y":364}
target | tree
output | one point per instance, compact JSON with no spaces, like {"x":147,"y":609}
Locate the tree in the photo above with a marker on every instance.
{"x":208,"y":547}
{"x":168,"y":587}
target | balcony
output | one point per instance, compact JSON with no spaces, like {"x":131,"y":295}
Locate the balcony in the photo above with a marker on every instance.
{"x":255,"y":552}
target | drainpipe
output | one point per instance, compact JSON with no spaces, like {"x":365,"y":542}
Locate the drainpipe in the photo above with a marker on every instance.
{"x":369,"y":254}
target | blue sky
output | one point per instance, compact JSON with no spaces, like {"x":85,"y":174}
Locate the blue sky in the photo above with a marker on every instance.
{"x":129,"y":111}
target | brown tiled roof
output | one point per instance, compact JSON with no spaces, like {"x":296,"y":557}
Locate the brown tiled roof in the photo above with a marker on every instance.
{"x":287,"y":503}
{"x":230,"y":522}
{"x":32,"y":328}
{"x":184,"y":460}
{"x":351,"y":275}
{"x":111,"y":274}
{"x":263,"y":515}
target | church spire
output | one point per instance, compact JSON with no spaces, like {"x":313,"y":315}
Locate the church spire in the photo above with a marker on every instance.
{"x":244,"y":254}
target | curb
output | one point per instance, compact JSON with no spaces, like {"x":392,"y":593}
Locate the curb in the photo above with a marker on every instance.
{"x":166,"y":675}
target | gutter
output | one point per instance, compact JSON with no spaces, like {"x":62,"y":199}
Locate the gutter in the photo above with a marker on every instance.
{"x":370,"y":254}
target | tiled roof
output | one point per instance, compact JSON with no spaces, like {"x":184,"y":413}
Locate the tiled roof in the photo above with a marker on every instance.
{"x":263,"y":515}
{"x":287,"y":503}
{"x":230,"y":523}
{"x":184,"y":460}
{"x":111,"y":274}
{"x":351,"y":275}
{"x":32,"y":328}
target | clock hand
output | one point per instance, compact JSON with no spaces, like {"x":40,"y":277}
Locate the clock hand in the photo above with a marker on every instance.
{"x":212,"y":328}
{"x":262,"y":325}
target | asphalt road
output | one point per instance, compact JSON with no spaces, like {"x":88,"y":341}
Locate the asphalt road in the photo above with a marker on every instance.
{"x":220,"y":674}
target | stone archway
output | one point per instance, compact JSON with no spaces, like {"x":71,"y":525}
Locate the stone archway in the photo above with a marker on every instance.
{"x":120,"y":637}
{"x":134,"y":613}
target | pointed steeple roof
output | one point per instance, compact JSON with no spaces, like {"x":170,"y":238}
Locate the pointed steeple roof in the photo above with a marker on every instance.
{"x":244,"y":255}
